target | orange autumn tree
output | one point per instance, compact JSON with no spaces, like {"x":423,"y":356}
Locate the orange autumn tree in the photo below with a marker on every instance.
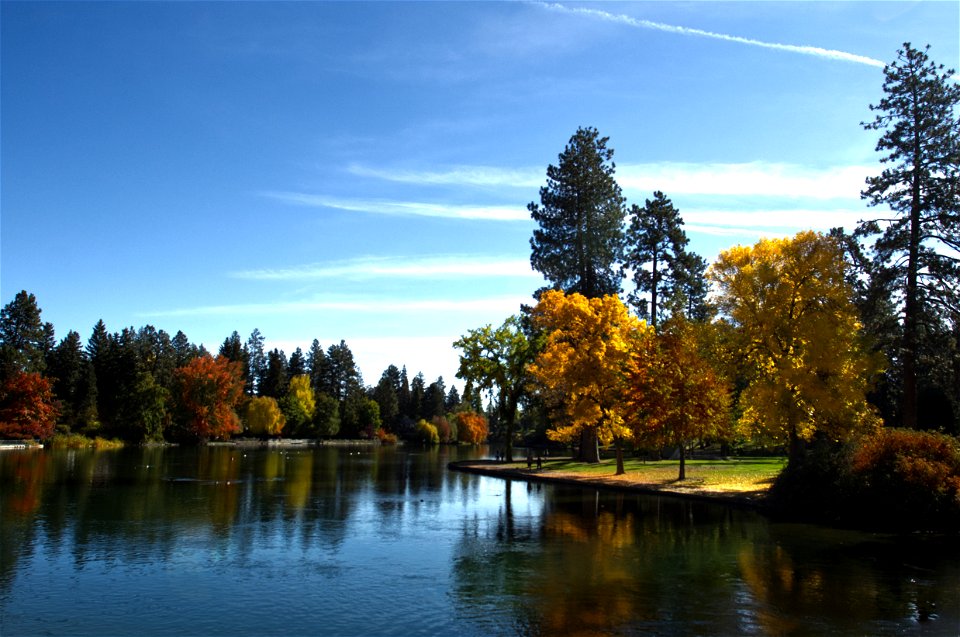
{"x":676,"y":396}
{"x":583,"y":369}
{"x":27,"y":407}
{"x":210,"y":389}
{"x":472,"y":428}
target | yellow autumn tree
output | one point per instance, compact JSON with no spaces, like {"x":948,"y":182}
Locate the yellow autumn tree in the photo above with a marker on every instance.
{"x":676,"y":395}
{"x":584,"y":366}
{"x":299,"y":404}
{"x":808,"y":370}
{"x":263,"y":416}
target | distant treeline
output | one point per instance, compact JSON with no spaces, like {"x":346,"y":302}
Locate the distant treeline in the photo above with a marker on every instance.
{"x":142,"y":385}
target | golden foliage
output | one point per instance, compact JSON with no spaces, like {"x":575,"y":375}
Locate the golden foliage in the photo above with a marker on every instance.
{"x":583,"y":368}
{"x":263,"y":416}
{"x":799,"y":335}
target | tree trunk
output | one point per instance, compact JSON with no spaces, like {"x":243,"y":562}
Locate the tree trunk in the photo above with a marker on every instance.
{"x":510,"y":415}
{"x":620,"y":469}
{"x":910,"y":310}
{"x":683,"y":462}
{"x":588,"y":445}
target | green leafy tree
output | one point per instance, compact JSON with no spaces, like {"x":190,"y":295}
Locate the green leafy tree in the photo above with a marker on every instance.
{"x":579,"y":239}
{"x":326,"y":417}
{"x":920,"y":140}
{"x":359,"y":416}
{"x":496,"y":360}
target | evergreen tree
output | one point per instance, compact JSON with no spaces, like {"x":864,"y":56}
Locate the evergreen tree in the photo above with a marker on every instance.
{"x":433,"y":400}
{"x":24,"y":338}
{"x":656,"y":255}
{"x":452,"y":402}
{"x":417,"y":391}
{"x":403,"y":394}
{"x":342,"y":377}
{"x":276,"y":378}
{"x":67,"y":367}
{"x":316,"y":365}
{"x":256,"y":363}
{"x":579,"y":241}
{"x":387,"y":396}
{"x":184,"y":350}
{"x":921,"y":185}
{"x":297,"y":365}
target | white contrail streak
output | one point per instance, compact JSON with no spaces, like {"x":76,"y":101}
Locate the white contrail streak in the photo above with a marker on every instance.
{"x":830,"y":54}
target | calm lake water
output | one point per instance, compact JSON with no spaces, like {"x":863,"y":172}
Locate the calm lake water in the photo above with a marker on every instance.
{"x":371,"y":541}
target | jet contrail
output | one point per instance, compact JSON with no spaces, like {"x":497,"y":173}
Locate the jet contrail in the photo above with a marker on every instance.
{"x":830,"y":54}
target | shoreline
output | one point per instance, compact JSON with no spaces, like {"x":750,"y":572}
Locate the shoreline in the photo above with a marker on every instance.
{"x":515,"y":471}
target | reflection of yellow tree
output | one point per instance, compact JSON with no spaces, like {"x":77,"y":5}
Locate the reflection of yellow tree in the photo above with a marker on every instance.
{"x":299,"y":479}
{"x":220,"y":468}
{"x":594,"y":564}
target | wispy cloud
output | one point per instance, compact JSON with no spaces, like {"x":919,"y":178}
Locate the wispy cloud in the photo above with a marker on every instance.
{"x":766,"y":223}
{"x":457,"y":176}
{"x":501,"y":304}
{"x":459,"y":266}
{"x":748,"y":179}
{"x":831,"y":54}
{"x":404,"y":208}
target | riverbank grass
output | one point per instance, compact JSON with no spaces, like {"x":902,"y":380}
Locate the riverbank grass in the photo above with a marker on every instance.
{"x":714,"y":475}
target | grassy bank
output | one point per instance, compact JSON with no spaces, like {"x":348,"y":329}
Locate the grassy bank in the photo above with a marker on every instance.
{"x":745,"y":480}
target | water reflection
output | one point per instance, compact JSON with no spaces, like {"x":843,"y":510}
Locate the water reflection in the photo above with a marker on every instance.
{"x":325,"y":529}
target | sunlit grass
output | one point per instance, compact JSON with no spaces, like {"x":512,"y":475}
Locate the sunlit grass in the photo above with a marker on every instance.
{"x":736,"y":474}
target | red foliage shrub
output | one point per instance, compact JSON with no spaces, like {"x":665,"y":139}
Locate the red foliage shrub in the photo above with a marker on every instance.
{"x":909,"y":472}
{"x":27,"y":407}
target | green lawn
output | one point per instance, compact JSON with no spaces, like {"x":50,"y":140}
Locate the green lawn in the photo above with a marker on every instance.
{"x":736,"y":474}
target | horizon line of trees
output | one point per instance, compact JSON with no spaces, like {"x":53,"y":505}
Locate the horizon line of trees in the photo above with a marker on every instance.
{"x":142,"y":385}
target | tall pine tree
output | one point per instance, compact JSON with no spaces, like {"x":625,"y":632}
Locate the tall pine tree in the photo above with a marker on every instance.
{"x":918,"y":243}
{"x":657,"y":257}
{"x":579,"y":242}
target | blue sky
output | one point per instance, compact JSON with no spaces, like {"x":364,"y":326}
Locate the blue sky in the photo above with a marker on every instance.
{"x":360,"y":171}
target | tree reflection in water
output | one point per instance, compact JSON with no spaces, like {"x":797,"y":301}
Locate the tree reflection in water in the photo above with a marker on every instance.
{"x":321,"y":529}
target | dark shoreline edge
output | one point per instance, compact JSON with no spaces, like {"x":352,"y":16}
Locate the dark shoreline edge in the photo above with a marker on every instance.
{"x":491,"y":468}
